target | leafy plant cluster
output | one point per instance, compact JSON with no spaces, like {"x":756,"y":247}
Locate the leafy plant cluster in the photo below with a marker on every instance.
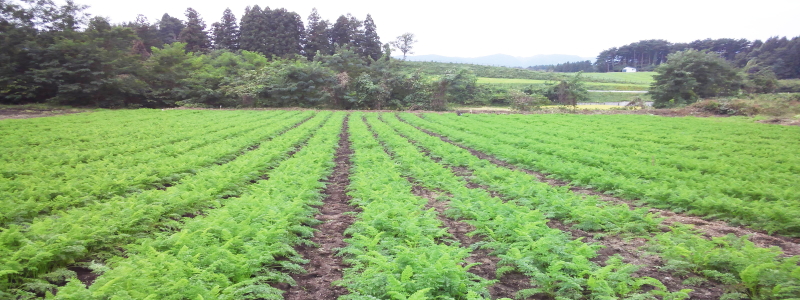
{"x":235,"y":251}
{"x":396,"y":249}
{"x":687,"y":252}
{"x":747,"y":183}
{"x":558,"y":266}
{"x":96,"y":231}
{"x":43,"y":188}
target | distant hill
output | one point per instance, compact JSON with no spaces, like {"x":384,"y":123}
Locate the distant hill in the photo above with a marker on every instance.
{"x":503,"y":59}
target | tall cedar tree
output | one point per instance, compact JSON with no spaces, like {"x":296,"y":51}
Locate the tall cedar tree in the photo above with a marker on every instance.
{"x":286,"y":33}
{"x":340,"y":33}
{"x":226,"y":32}
{"x":370,"y":45}
{"x":271,"y":32}
{"x":148,"y":33}
{"x":169,"y":28}
{"x":194,"y":35}
{"x":317,"y":36}
{"x":246,"y":28}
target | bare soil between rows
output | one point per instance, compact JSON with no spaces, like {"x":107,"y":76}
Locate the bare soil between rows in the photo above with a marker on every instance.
{"x":324,"y":266}
{"x":509,"y":284}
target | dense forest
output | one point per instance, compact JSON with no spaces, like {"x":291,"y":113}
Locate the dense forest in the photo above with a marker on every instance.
{"x":60,"y":55}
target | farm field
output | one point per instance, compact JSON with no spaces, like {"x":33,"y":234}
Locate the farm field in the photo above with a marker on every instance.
{"x":302,"y":204}
{"x":622,"y":77}
{"x":605,"y":86}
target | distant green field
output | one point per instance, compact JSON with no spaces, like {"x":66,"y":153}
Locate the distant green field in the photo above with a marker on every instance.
{"x":521,"y":83}
{"x":637,"y":78}
{"x":616,"y":97}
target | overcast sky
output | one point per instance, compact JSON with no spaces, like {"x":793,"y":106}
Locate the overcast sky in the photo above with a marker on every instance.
{"x":519,"y":28}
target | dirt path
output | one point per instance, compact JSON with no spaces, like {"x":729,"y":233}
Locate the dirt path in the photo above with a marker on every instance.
{"x":790,"y":246}
{"x":324,"y":267}
{"x":28,"y":112}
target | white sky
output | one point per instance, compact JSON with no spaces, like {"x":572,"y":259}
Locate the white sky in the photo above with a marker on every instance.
{"x":519,"y":28}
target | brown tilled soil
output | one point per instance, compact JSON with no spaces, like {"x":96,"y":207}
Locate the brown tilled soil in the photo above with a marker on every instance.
{"x":790,"y":246}
{"x":27,"y":112}
{"x":324,"y":267}
{"x":85,"y":275}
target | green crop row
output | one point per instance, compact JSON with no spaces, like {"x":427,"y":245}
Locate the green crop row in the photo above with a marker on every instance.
{"x":712,"y":146}
{"x":738,"y":176}
{"x":557,"y":265}
{"x":94,"y":146}
{"x":758,"y":273}
{"x":395,"y":250}
{"x":55,"y":188}
{"x":30,"y":253}
{"x":233,"y":252}
{"x":94,"y":131}
{"x":771,"y":206}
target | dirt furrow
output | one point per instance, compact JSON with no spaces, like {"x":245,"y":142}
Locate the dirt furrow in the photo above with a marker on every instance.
{"x":628,"y":249}
{"x":710,"y":228}
{"x":509,"y":284}
{"x":173,"y":223}
{"x":324,"y":267}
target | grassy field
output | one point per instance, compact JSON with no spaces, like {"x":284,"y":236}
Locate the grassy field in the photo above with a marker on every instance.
{"x":306,"y":204}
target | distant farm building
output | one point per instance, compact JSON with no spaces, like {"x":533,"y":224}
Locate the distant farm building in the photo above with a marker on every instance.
{"x":629,"y":69}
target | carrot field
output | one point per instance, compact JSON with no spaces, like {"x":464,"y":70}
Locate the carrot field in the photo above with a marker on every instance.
{"x":302,"y":204}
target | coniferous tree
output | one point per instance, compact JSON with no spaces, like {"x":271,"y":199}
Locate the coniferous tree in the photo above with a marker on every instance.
{"x":226,"y":32}
{"x":370,"y":45}
{"x":317,"y":36}
{"x":194,"y":35}
{"x":340,"y":32}
{"x":148,"y":34}
{"x":253,"y":30}
{"x":356,"y":32}
{"x":271,"y":32}
{"x":169,"y":28}
{"x":286,"y":33}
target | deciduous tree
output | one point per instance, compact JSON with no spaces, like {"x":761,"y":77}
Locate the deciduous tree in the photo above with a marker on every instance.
{"x":692,"y":74}
{"x":404,"y":43}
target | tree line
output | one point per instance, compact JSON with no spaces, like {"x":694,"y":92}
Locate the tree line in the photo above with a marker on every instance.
{"x":58,"y":54}
{"x":570,"y":67}
{"x":778,"y":54}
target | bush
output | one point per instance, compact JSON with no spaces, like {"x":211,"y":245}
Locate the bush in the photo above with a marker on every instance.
{"x":775,"y":105}
{"x":523,"y":102}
